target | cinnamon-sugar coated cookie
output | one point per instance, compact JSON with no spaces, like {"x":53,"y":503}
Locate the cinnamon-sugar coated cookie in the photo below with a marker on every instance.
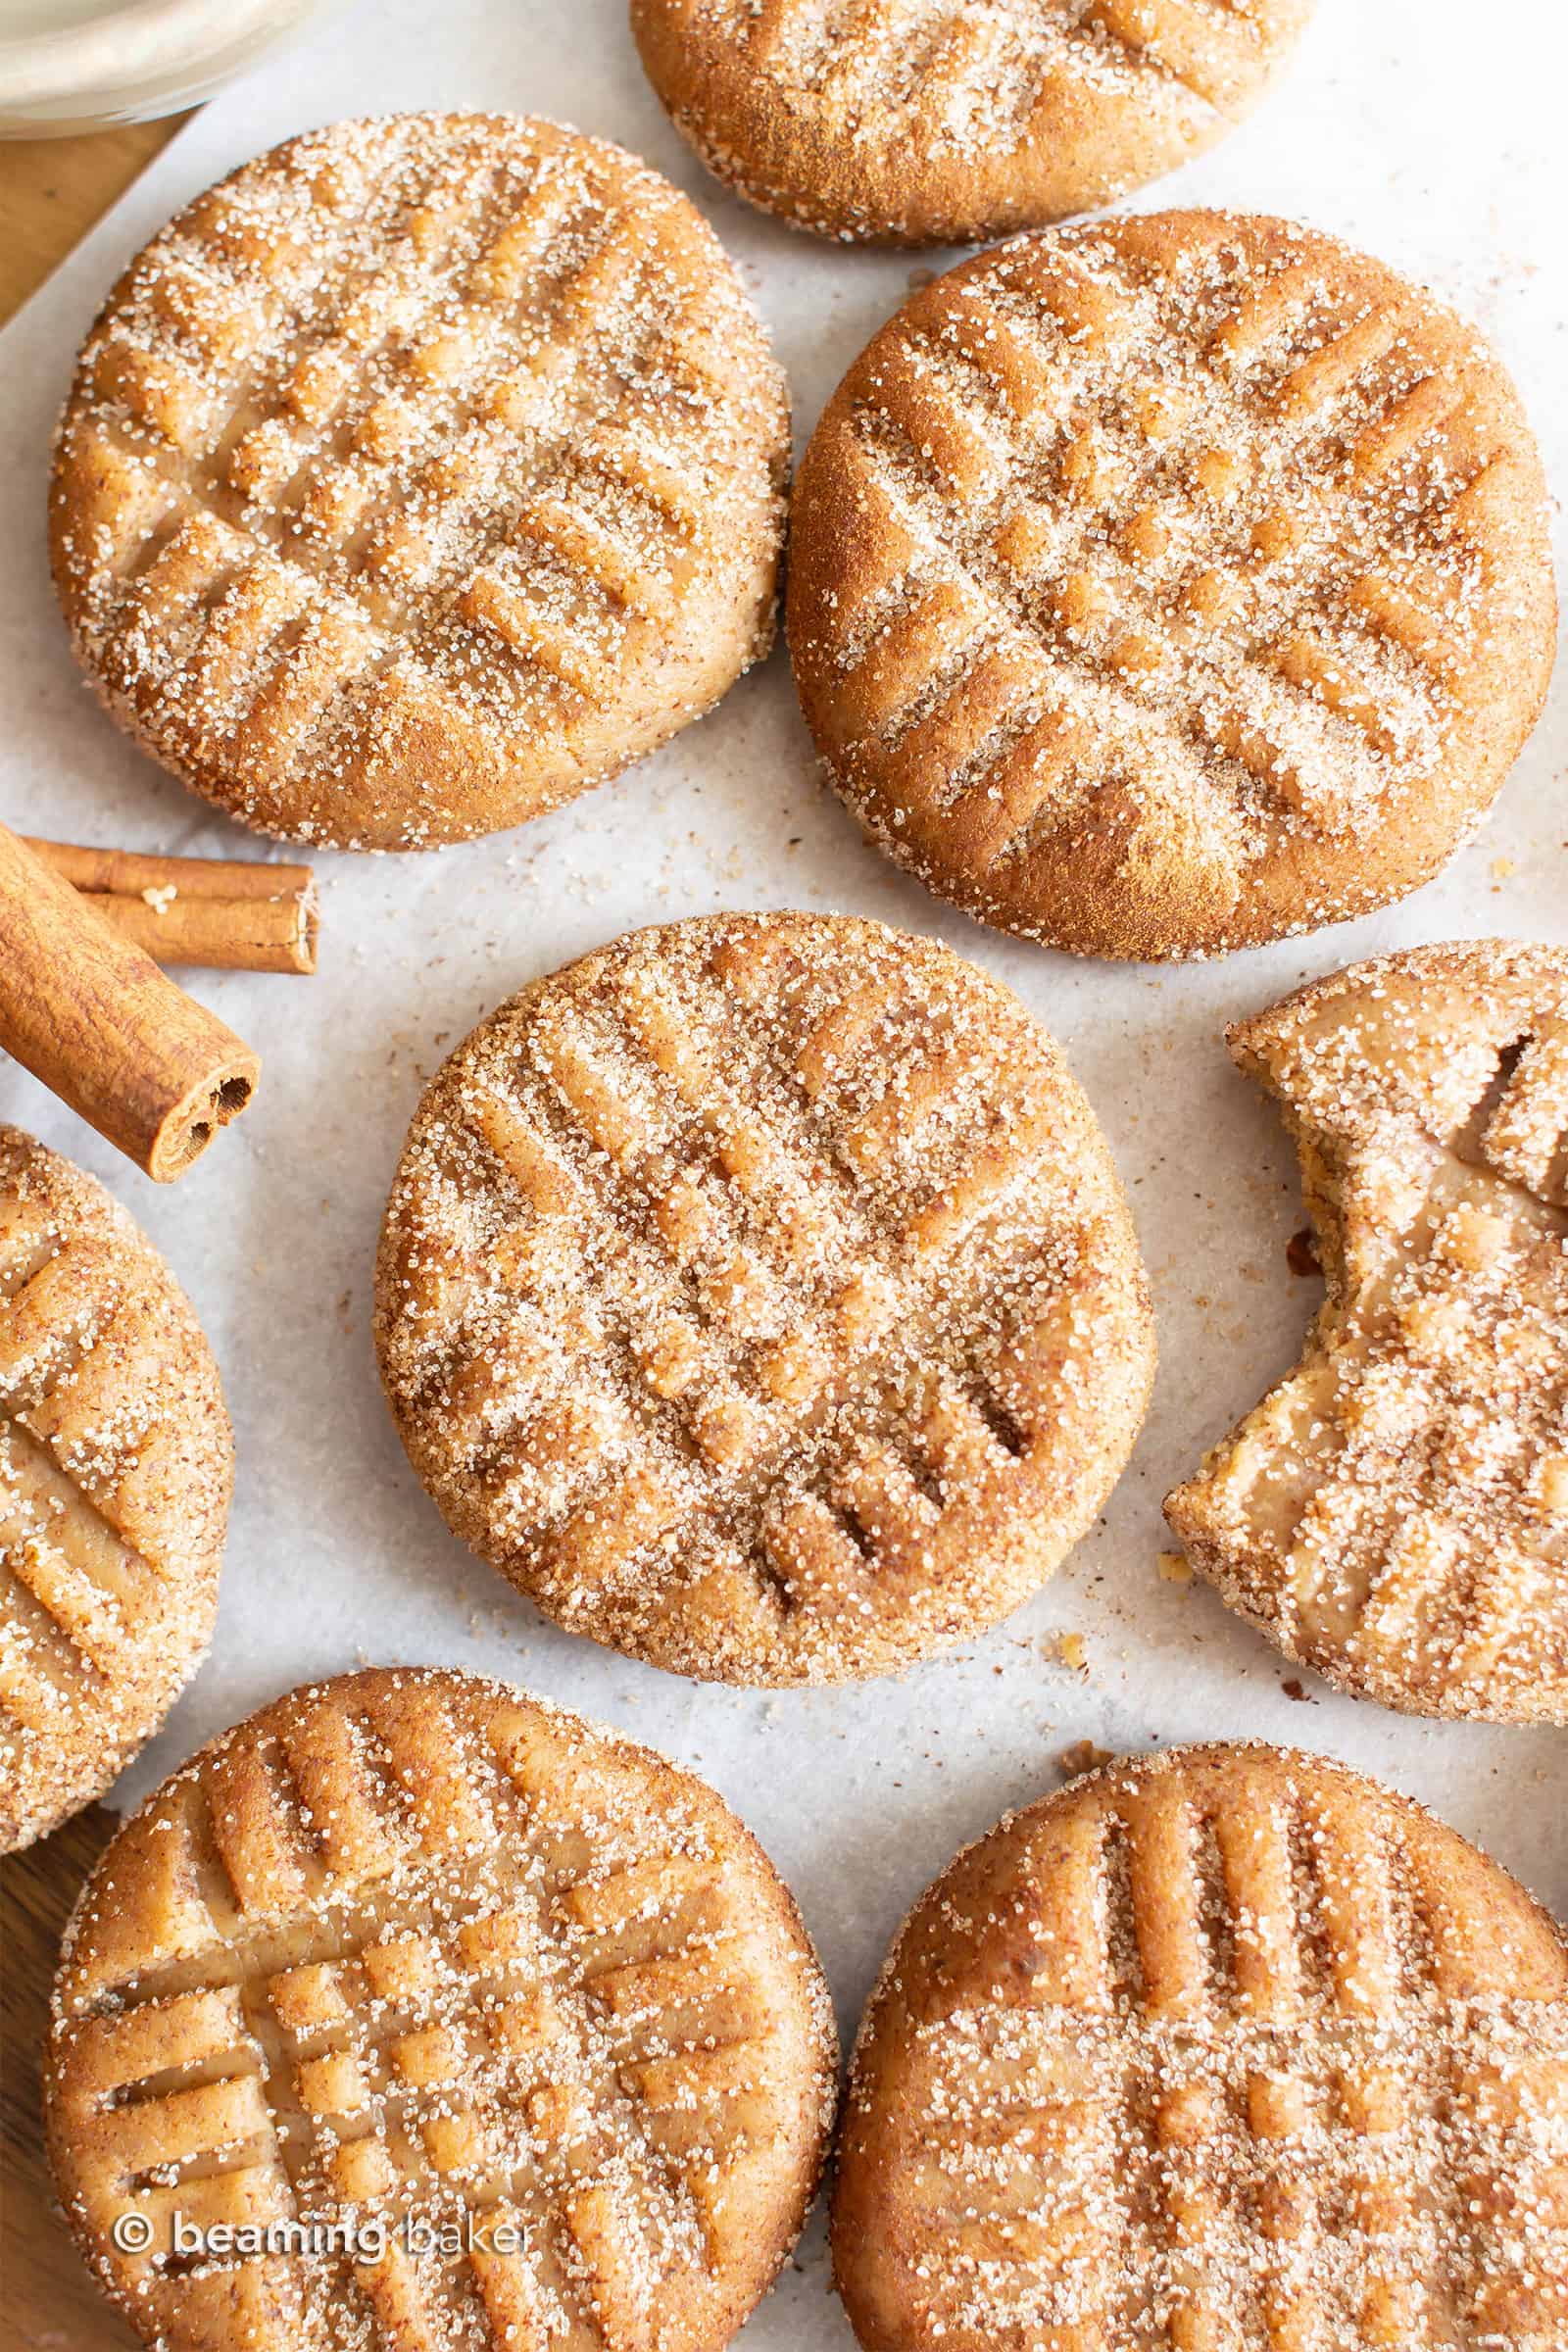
{"x":1228,"y":2049}
{"x":414,"y":1946}
{"x":918,"y":123}
{"x":759,"y":1296}
{"x":420,"y":475}
{"x":115,"y":1468}
{"x":1171,"y":583}
{"x":1395,"y":1513}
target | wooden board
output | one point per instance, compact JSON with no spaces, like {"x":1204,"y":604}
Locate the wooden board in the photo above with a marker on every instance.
{"x":53,"y":190}
{"x":49,"y":2302}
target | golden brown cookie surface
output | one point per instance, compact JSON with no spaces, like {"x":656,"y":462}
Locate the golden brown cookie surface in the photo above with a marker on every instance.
{"x":1395,"y":1512}
{"x":116,"y":1467}
{"x":420,"y":475}
{"x":414,"y":1945}
{"x":757,"y":1294}
{"x":913,"y":121}
{"x":1169,"y":584}
{"x":1228,"y":2047}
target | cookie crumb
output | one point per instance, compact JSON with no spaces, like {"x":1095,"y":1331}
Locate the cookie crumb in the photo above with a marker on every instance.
{"x":1083,"y":1756}
{"x":1175,"y":1568}
{"x":1301,"y":1254}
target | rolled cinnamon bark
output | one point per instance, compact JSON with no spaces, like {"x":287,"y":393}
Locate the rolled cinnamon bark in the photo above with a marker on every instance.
{"x":91,"y":1015}
{"x":227,"y":914}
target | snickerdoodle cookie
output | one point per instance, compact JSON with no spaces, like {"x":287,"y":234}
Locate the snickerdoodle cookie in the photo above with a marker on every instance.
{"x":916,"y":122}
{"x":412,"y":1961}
{"x":1171,"y":583}
{"x":116,"y":1466}
{"x":1228,"y":2049}
{"x":1395,"y":1512}
{"x":420,"y":475}
{"x":759,"y":1296}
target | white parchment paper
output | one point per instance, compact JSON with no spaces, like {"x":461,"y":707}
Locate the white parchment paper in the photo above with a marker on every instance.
{"x":1420,"y":129}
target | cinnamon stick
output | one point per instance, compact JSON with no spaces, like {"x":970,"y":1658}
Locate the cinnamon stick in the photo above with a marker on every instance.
{"x":91,"y":1015}
{"x":230,"y":914}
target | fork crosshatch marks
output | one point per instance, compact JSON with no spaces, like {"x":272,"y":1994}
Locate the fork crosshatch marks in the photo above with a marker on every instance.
{"x":410,"y":1948}
{"x":758,"y":1294}
{"x":1171,"y":583}
{"x":420,"y":475}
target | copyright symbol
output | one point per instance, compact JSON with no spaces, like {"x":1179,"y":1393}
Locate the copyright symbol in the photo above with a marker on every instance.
{"x":131,"y":2233}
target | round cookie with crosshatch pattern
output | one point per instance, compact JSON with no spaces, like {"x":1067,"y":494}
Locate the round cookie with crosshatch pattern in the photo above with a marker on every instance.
{"x":1171,"y":585}
{"x":420,"y":475}
{"x":759,"y":1296}
{"x":1230,"y":2046}
{"x":1395,"y":1513}
{"x":115,"y":1468}
{"x":413,"y":1948}
{"x":916,"y":122}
